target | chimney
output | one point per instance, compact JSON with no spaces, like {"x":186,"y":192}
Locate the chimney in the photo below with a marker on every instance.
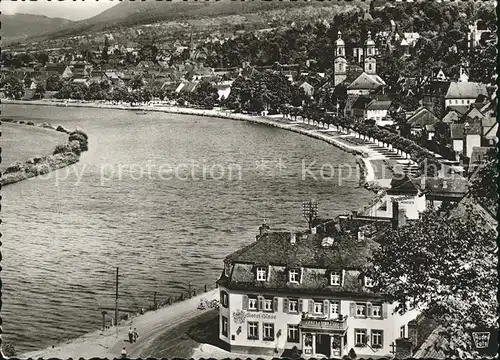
{"x":395,"y":215}
{"x":293,"y":238}
{"x":263,"y":229}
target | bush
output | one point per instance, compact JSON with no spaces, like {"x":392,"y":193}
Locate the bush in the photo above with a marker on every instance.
{"x":16,"y":167}
{"x":62,"y":129}
{"x":62,"y":149}
{"x":31,"y":123}
{"x":75,"y":147}
{"x":78,"y":131}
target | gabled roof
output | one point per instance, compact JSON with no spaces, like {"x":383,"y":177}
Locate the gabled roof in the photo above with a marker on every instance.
{"x":465,"y":90}
{"x":422,"y":117}
{"x":451,"y":117}
{"x":366,"y":82}
{"x":379,"y":105}
{"x":474,"y":113}
{"x":461,"y":109}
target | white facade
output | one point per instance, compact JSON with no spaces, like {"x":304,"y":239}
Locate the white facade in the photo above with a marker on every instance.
{"x":412,"y":205}
{"x":333,"y":336}
{"x":380,"y":116}
{"x":471,"y":141}
{"x":449,"y":102}
{"x":458,"y":145}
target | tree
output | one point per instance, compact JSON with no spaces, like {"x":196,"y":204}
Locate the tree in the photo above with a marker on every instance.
{"x":14,"y":87}
{"x":483,"y":187}
{"x":54,"y":83}
{"x":444,"y":265}
{"x":39,"y":91}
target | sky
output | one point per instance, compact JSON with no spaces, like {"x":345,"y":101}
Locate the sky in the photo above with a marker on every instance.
{"x":72,"y":10}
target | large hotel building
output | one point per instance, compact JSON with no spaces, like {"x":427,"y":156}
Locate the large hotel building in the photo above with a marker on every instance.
{"x":308,"y":292}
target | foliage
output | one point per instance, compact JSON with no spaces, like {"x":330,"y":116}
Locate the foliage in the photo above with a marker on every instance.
{"x":62,"y":148}
{"x":483,"y":187}
{"x":54,"y":83}
{"x":444,"y":265}
{"x":14,"y":88}
{"x":204,"y":95}
{"x":72,"y":91}
{"x":8,"y":349}
{"x":39,"y":91}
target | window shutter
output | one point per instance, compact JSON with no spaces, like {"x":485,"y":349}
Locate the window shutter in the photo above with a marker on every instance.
{"x":352,"y":309}
{"x":275,"y":304}
{"x":326,"y":305}
{"x":385,"y":311}
{"x":245,"y":302}
{"x":259,"y":302}
{"x":301,"y":275}
{"x":221,"y":300}
{"x":369,"y":309}
{"x":311,"y":306}
{"x":342,"y":277}
{"x":285,"y":305}
{"x":301,"y":305}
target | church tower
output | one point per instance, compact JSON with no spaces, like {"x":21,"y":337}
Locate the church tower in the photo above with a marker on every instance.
{"x":370,"y":64}
{"x":340,"y":63}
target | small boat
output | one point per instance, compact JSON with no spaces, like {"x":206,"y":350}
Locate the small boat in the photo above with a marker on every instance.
{"x":141,"y":112}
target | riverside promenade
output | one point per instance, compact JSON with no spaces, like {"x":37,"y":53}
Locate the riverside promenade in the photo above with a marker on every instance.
{"x":110,"y":343}
{"x":369,"y":153}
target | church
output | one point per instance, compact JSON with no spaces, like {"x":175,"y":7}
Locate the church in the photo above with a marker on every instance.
{"x":365,"y":90}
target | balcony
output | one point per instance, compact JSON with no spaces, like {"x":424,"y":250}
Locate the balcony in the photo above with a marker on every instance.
{"x":324,"y":325}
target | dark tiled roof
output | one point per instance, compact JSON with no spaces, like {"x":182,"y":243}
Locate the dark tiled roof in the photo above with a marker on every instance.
{"x":422,"y":117}
{"x":362,"y":102}
{"x":364,"y":82}
{"x":455,"y":184}
{"x":461,"y":109}
{"x":457,"y":131}
{"x":451,"y":117}
{"x":275,"y":248}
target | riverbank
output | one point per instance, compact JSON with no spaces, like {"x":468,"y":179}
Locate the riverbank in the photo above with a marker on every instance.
{"x":62,"y":155}
{"x":109,"y":343}
{"x":331,"y":135}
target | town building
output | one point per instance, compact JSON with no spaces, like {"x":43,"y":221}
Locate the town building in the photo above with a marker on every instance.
{"x":308,"y":292}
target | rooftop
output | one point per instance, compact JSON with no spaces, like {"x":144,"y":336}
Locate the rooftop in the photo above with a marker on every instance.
{"x":422,"y":117}
{"x":465,"y":90}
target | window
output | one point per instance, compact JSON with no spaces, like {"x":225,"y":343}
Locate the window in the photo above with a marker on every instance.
{"x":252,"y":303}
{"x":360,"y":337}
{"x":294,"y":276}
{"x":224,"y":326}
{"x":335,"y":278}
{"x":253,"y":330}
{"x":268,"y":304}
{"x":268,"y":331}
{"x":224,"y":299}
{"x":402,"y":332}
{"x":293,"y":333}
{"x":462,"y":102}
{"x":360,"y":309}
{"x":293,"y":306}
{"x":261,"y":274}
{"x":335,"y":309}
{"x":369,"y":66}
{"x":318,"y":307}
{"x":377,"y":310}
{"x":377,"y":336}
{"x":368,"y":282}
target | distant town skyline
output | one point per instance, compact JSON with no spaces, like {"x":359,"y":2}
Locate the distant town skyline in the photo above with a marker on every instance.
{"x":72,"y":10}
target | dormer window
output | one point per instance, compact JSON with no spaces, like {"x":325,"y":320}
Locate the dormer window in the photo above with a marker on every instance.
{"x":335,"y":278}
{"x":294,"y":276}
{"x":261,"y":274}
{"x":368,"y":282}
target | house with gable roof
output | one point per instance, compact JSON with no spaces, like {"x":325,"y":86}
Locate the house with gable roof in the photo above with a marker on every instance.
{"x":308,"y":291}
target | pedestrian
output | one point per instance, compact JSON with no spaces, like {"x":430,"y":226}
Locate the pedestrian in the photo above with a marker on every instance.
{"x":124,"y":353}
{"x":130,"y":335}
{"x":136,"y":334}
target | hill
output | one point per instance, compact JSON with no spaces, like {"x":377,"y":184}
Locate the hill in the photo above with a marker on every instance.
{"x":127,"y":14}
{"x":18,"y":27}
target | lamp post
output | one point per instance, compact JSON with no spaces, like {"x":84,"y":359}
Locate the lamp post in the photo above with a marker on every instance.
{"x":310,"y":211}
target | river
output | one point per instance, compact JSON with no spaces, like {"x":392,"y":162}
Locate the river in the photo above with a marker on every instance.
{"x":163,"y":197}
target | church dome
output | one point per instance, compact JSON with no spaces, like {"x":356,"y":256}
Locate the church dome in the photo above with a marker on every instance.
{"x":369,"y":41}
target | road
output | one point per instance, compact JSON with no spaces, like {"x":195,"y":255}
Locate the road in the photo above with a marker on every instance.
{"x":110,"y":343}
